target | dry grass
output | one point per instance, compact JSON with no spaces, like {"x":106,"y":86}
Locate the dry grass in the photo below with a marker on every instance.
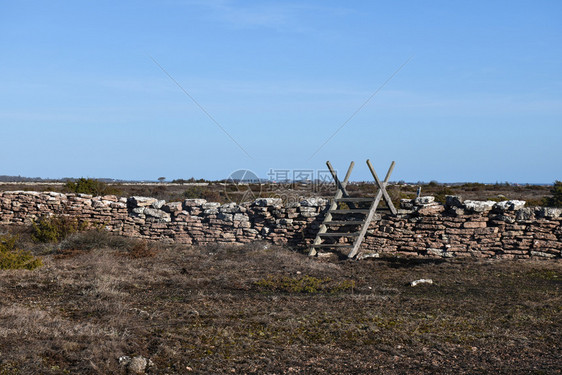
{"x":205,"y":310}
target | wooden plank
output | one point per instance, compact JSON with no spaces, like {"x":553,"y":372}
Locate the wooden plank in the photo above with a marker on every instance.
{"x":339,"y":234}
{"x":363,"y":231}
{"x":356,"y":211}
{"x":344,"y":222}
{"x":333,"y":245}
{"x":333,"y":205}
{"x":354,"y":199}
{"x":382,"y":185}
{"x":341,"y":186}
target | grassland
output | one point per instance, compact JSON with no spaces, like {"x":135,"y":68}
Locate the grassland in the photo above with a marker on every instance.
{"x":262,"y":309}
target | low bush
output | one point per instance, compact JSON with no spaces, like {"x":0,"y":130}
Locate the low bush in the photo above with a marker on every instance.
{"x":89,"y":186}
{"x":201,"y":192}
{"x":56,"y":228}
{"x":11,"y":257}
{"x":556,"y":199}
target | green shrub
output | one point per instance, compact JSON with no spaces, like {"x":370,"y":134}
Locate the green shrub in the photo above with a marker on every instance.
{"x":13,"y":258}
{"x":556,"y":199}
{"x":56,"y":228}
{"x":441,"y":195}
{"x":202,"y":192}
{"x":89,"y":186}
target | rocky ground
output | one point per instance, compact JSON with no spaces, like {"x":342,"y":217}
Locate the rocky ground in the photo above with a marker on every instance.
{"x":102,"y":304}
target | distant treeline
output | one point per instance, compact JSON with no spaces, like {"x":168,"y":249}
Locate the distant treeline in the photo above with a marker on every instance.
{"x":5,"y":178}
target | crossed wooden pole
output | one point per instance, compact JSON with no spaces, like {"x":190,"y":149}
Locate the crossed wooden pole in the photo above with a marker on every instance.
{"x":343,"y":196}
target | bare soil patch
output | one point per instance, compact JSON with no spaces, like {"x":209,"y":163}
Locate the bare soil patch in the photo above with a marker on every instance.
{"x":259,"y":309}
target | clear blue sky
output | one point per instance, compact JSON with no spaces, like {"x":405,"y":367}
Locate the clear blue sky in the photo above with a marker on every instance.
{"x":480,"y":99}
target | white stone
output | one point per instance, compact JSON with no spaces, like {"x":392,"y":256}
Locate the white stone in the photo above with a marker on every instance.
{"x":194,"y":202}
{"x":138,"y":365}
{"x":419,"y":201}
{"x":141,"y":201}
{"x":479,"y":206}
{"x":421,"y":281}
{"x":263,"y":202}
{"x":158,"y":204}
{"x":549,"y":212}
{"x":172,"y":207}
{"x":241,"y":217}
{"x":313,"y":202}
{"x":138,"y":210}
{"x":210,"y":205}
{"x":159,"y":214}
{"x":512,"y":205}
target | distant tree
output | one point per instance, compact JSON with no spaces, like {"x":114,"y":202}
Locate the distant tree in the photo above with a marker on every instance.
{"x":161,"y":179}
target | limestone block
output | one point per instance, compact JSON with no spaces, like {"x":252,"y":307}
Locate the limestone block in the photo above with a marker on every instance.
{"x":511,"y":205}
{"x":548,"y":212}
{"x":264,"y":202}
{"x":479,"y":206}
{"x":420,"y":201}
{"x":524,"y":214}
{"x":138,"y":210}
{"x":231,"y":208}
{"x":172,"y":207}
{"x":193,"y":203}
{"x":507,"y":219}
{"x":406,"y":204}
{"x":225,"y":216}
{"x":431,"y":209}
{"x":211,"y":205}
{"x":211,"y":211}
{"x":158,"y":204}
{"x":158,"y":214}
{"x":140,"y":201}
{"x":474,"y":224}
{"x":118,"y":205}
{"x":241,"y":217}
{"x":314,"y":202}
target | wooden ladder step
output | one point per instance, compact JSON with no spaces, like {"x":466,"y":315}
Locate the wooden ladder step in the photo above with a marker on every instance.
{"x":332,"y":245}
{"x":353,"y":199}
{"x":344,"y":222}
{"x":338,"y":234}
{"x":359,"y":211}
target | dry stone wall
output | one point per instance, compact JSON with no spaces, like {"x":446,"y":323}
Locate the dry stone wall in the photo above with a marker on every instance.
{"x":422,"y":228}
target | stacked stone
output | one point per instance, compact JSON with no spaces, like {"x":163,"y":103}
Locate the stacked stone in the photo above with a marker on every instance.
{"x":468,"y":229}
{"x":196,"y":221}
{"x":22,"y":207}
{"x":422,"y":228}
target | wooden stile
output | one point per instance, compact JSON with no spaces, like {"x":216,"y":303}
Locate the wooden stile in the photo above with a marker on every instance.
{"x":368,"y":214}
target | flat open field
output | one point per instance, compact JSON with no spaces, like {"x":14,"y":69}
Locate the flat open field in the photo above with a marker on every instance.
{"x":264,"y":309}
{"x":221,"y":192}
